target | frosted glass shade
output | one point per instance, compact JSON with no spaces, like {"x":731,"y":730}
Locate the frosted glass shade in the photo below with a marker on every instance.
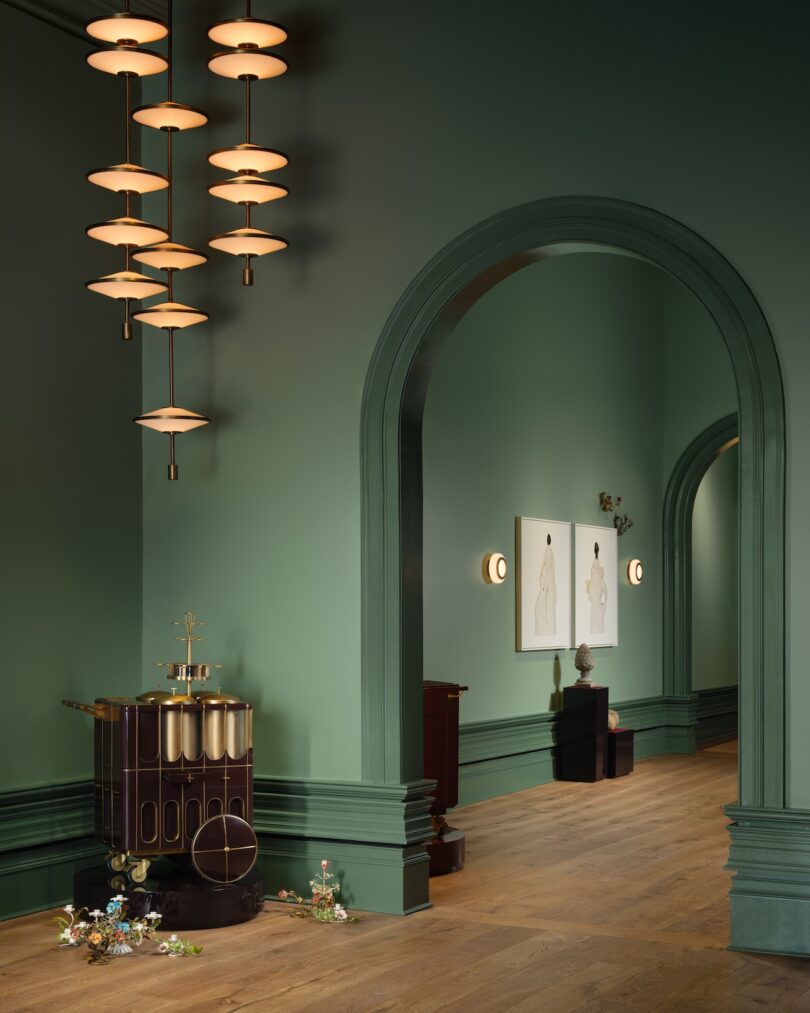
{"x":172,"y":419}
{"x":169,"y":257}
{"x":247,"y":63}
{"x":127,"y":60}
{"x":126,"y":285}
{"x":248,"y":158}
{"x":247,"y":33}
{"x":248,"y":243}
{"x":128,"y":178}
{"x":127,"y":232}
{"x":126,"y":27}
{"x":169,"y":116}
{"x":246,"y":189}
{"x":170,"y":314}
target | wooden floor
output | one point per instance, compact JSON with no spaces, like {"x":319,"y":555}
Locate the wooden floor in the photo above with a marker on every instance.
{"x":605,"y":897}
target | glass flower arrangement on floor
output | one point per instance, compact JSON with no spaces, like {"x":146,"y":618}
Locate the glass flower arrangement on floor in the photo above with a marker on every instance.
{"x":321,"y":904}
{"x":112,"y":933}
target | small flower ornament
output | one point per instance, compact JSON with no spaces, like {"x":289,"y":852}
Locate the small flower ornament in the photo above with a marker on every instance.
{"x":321,"y":904}
{"x":114,"y":934}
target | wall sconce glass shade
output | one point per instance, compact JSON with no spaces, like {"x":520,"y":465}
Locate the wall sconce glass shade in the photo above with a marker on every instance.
{"x":248,"y":158}
{"x":125,"y":27}
{"x":247,"y":63}
{"x":169,"y":116}
{"x":127,"y":285}
{"x":128,"y":178}
{"x":127,"y":232}
{"x":169,"y":257}
{"x":247,"y":189}
{"x":170,"y":315}
{"x":635,"y":571}
{"x":172,"y":419}
{"x":247,"y":33}
{"x":127,"y":60}
{"x":495,"y":568}
{"x":248,"y":243}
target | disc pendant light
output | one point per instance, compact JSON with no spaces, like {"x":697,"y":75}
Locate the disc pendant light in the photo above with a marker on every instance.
{"x":169,"y":256}
{"x":125,"y":32}
{"x":247,"y":37}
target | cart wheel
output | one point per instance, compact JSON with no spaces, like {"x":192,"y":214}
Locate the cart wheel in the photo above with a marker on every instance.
{"x":119,"y":883}
{"x":224,"y":849}
{"x":117,"y":861}
{"x":139,"y":871}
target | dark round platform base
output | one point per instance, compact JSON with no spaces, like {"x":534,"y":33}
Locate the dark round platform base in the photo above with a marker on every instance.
{"x":180,"y":896}
{"x":446,"y":852}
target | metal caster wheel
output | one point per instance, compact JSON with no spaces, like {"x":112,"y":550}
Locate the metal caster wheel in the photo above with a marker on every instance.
{"x":117,"y":861}
{"x":119,"y":883}
{"x":139,"y":871}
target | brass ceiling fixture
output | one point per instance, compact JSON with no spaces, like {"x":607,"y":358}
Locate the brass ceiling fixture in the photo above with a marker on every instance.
{"x":247,"y":37}
{"x":125,"y":33}
{"x":147,"y":244}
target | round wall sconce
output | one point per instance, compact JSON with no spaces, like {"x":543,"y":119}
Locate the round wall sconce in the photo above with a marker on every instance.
{"x":495,"y":568}
{"x":635,"y":571}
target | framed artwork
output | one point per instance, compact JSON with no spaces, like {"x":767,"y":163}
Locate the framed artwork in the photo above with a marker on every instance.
{"x":543,"y":585}
{"x":596,"y":586}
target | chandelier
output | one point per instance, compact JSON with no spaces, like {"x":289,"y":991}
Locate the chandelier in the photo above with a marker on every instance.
{"x":245,"y":59}
{"x":125,"y":34}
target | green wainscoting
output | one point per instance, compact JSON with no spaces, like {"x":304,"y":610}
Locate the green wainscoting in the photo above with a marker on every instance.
{"x":770,"y":891}
{"x":372,"y":833}
{"x":716,"y":715}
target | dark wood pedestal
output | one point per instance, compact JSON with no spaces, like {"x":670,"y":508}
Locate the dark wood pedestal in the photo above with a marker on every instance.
{"x":440,"y":707}
{"x":177,"y":892}
{"x":619,"y":759}
{"x":582,"y":729}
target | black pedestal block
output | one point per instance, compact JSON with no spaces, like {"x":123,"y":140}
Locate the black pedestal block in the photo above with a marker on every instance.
{"x":619,"y":759}
{"x":178,"y":893}
{"x":581,"y":730}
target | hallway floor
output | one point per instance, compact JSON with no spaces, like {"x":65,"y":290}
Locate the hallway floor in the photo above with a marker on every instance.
{"x":576,"y":897}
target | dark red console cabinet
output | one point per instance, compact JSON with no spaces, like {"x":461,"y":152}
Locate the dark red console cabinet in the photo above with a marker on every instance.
{"x":441,"y":720}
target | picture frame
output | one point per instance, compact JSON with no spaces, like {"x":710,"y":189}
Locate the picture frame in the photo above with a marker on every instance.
{"x":596,"y":586}
{"x":543,"y":584}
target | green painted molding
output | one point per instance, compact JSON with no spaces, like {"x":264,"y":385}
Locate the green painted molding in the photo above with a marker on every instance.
{"x":34,"y":816}
{"x":32,"y":879}
{"x":679,"y":503}
{"x":717,"y":715}
{"x":391,"y":490}
{"x":373,"y":877}
{"x":343,"y":810}
{"x":770,"y":889}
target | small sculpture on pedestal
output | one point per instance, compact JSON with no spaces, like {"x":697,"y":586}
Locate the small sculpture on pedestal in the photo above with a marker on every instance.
{"x":584,"y":664}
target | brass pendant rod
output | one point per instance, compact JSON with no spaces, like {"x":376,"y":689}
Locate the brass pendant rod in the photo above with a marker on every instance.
{"x":171,"y":367}
{"x":247,"y":110}
{"x":127,"y":135}
{"x":169,"y":47}
{"x":173,"y":470}
{"x":170,"y":191}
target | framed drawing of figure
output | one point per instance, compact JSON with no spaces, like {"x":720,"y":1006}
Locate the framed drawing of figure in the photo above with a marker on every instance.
{"x":596,"y":586}
{"x":543,"y":585}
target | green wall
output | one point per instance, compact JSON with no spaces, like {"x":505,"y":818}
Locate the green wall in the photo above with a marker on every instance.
{"x":70,"y":512}
{"x":715,"y":575}
{"x":396,"y":149}
{"x":552,"y":388}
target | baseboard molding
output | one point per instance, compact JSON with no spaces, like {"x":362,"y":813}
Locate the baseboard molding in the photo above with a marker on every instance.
{"x":716,"y":715}
{"x":770,"y":889}
{"x":373,"y":877}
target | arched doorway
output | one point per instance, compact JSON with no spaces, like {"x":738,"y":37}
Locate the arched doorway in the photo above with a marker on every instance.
{"x":391,"y":465}
{"x":679,"y":504}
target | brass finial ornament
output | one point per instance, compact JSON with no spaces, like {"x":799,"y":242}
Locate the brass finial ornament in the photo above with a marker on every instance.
{"x":187,"y":671}
{"x":246,"y":61}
